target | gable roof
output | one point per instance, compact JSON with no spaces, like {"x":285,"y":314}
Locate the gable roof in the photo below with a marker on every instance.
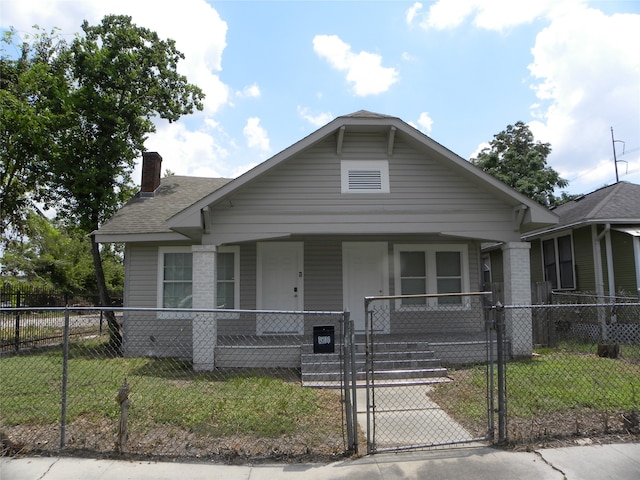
{"x":147,"y":214}
{"x":533,"y":213}
{"x":615,"y":204}
{"x":175,"y":211}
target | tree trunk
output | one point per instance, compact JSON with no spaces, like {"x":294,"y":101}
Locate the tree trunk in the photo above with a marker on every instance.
{"x":115,"y":333}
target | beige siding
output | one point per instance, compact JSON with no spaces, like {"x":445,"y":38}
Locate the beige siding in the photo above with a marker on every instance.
{"x":303,"y":196}
{"x":323,"y":285}
{"x":141,"y":276}
{"x":144,"y":333}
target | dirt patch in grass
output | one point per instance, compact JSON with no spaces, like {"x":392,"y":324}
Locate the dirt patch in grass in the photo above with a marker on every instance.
{"x":553,"y":430}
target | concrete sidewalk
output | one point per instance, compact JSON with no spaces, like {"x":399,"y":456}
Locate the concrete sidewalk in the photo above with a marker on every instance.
{"x":595,"y":462}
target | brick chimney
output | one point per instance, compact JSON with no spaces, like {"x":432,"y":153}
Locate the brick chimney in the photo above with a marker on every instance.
{"x":151,"y":165}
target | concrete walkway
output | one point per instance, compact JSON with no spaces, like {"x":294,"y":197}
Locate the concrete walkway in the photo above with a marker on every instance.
{"x":597,"y":462}
{"x":406,"y":416}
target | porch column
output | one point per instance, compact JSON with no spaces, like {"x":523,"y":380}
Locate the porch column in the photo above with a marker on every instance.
{"x":204,"y":327}
{"x":517,"y":291}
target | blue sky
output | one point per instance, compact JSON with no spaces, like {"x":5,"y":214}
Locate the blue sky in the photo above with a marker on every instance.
{"x":458,"y":70}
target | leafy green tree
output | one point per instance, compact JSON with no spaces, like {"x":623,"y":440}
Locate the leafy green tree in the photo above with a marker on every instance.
{"x":515,"y":158}
{"x":118,"y":77}
{"x":51,"y":256}
{"x":30,"y":110}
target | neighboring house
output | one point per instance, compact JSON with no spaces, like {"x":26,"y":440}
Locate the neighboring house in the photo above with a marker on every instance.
{"x":333,"y":218}
{"x":595,"y":247}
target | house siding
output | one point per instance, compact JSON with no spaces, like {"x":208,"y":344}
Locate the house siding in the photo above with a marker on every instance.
{"x":323,"y":292}
{"x":144,"y":334}
{"x":537,"y":267}
{"x":303,"y":196}
{"x":583,"y":258}
{"x":623,"y":265}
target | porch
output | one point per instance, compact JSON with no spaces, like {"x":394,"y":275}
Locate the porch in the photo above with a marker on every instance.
{"x":398,"y":359}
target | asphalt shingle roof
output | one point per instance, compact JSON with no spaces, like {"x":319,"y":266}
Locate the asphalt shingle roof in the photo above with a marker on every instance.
{"x":149,"y":214}
{"x":620,"y":201}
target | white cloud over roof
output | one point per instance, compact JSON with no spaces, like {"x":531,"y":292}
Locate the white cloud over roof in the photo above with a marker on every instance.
{"x":364,"y":70}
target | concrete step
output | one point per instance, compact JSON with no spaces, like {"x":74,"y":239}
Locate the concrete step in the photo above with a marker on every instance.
{"x":378,"y":383}
{"x":381,"y":378}
{"x":335,"y":365}
{"x":395,"y":363}
{"x":390,"y":346}
{"x":395,"y":374}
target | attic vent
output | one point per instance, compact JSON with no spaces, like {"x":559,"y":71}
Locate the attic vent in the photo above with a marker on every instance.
{"x":365,"y":176}
{"x":365,"y":180}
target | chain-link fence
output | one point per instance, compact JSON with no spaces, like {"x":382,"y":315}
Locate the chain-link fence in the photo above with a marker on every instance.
{"x":583,"y":378}
{"x":229,"y":384}
{"x":561,"y":372}
{"x":191,"y":384}
{"x":418,"y":349}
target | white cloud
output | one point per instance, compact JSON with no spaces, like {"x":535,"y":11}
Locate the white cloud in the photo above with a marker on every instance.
{"x":491,"y":14}
{"x":479,"y":149}
{"x":256,"y":135}
{"x":587,"y":72}
{"x":186,"y":152}
{"x":364,"y":70}
{"x":316,"y":120}
{"x":412,"y":12}
{"x":196,"y":27}
{"x":250,"y":91}
{"x":425,"y":122}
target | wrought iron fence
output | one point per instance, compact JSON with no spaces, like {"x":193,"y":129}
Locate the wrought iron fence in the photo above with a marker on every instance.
{"x":194,"y":384}
{"x":26,"y":322}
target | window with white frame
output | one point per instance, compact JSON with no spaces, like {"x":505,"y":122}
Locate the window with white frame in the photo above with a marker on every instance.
{"x":429,"y":269}
{"x":175,"y":279}
{"x":557,"y":257}
{"x":175,"y":269}
{"x":365,"y":176}
{"x":227,"y":278}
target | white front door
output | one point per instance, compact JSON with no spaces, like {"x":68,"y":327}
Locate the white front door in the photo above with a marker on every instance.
{"x":280,"y":286}
{"x":365,"y":268}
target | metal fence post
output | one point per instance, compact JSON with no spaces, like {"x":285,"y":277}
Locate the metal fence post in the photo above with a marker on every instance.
{"x":354,"y":380}
{"x":346,"y":377}
{"x":351,"y":410}
{"x":17,"y":325}
{"x":500,"y":337}
{"x":490,"y":324}
{"x":368,"y":341}
{"x":65,"y":372}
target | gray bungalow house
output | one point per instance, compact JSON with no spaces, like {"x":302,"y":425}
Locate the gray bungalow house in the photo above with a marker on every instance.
{"x":595,"y":247}
{"x":317,"y":227}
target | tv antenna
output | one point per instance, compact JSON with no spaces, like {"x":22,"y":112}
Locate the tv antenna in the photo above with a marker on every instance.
{"x":615,"y":159}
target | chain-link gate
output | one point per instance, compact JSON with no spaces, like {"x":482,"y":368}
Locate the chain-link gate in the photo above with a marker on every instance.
{"x":411,"y":367}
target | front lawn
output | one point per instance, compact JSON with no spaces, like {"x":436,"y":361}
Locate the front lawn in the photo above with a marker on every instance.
{"x":173,"y":411}
{"x":560,"y":392}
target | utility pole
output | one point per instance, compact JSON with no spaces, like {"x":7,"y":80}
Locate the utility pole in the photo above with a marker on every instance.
{"x":615,"y":159}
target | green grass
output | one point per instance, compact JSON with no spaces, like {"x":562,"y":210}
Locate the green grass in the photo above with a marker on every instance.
{"x":162,"y":392}
{"x":568,"y":379}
